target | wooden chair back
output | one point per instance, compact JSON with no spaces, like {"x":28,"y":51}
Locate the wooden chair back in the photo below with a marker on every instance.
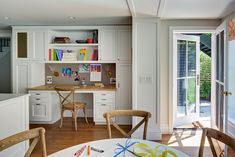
{"x":217,"y":135}
{"x":64,"y":98}
{"x":35,"y":134}
{"x":136,"y":113}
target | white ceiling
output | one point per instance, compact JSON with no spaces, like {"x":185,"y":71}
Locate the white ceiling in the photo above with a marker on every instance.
{"x":85,"y":12}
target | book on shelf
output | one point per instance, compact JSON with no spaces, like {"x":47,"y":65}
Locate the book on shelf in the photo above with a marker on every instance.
{"x":55,"y":54}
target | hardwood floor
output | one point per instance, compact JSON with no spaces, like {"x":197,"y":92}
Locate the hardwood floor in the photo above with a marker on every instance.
{"x":57,"y":139}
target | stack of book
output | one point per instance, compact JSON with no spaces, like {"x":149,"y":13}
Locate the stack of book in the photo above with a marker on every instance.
{"x":55,"y":54}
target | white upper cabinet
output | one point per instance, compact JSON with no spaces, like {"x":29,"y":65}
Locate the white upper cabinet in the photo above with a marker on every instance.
{"x":38,"y":45}
{"x":29,"y":44}
{"x":107,"y":45}
{"x":124,"y":44}
{"x":21,"y":37}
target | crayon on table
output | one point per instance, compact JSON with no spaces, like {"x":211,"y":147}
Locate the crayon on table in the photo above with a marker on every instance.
{"x":88,"y":150}
{"x":80,"y":151}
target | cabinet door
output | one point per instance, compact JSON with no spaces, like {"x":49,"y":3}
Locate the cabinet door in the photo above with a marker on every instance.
{"x":21,"y":79}
{"x":39,"y":111}
{"x":38,"y":45}
{"x":124,"y":91}
{"x":40,"y":106}
{"x":22,"y":45}
{"x":124,"y":45}
{"x":107,"y":46}
{"x":101,"y":108}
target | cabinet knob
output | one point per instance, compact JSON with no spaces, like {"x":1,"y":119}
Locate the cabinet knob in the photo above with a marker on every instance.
{"x":103,"y":104}
{"x":104,"y":99}
{"x":37,"y":94}
{"x":37,"y":99}
{"x":37,"y":104}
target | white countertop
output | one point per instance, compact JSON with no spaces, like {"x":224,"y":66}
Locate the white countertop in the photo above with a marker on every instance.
{"x":7,"y":96}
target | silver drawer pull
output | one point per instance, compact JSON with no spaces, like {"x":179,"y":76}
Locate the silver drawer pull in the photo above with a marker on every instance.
{"x":37,"y":99}
{"x":38,"y":104}
{"x":103,"y":99}
{"x":103,"y":104}
{"x":37,"y":94}
{"x":103,"y":94}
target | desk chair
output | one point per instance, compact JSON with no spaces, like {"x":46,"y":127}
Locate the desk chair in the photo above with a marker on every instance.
{"x":217,"y":135}
{"x":70,"y":104}
{"x":35,"y":134}
{"x":137,"y":113}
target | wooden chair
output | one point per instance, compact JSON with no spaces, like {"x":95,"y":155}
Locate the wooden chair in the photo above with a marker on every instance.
{"x":137,"y":113}
{"x":66,"y":96}
{"x":217,"y":135}
{"x":35,"y":134}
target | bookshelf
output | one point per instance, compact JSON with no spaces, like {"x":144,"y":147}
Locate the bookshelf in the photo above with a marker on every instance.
{"x":79,"y":45}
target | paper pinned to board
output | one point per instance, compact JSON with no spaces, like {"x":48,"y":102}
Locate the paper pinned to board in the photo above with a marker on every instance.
{"x":95,"y":72}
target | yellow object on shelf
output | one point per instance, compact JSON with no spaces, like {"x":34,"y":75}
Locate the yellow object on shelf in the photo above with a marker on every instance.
{"x":83,"y":54}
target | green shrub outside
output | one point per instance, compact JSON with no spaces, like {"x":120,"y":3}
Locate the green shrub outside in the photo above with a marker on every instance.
{"x":205,"y":76}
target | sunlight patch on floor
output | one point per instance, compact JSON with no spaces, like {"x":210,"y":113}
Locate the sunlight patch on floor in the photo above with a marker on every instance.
{"x":186,"y":138}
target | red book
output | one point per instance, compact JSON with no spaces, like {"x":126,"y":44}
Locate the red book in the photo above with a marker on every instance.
{"x":49,"y":54}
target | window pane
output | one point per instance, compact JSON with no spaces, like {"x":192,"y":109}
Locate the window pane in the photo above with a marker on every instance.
{"x":191,"y":96}
{"x":191,"y":58}
{"x":22,"y":45}
{"x":181,"y":102}
{"x":181,"y":65}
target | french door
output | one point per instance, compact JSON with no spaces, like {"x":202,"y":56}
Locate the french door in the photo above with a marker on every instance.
{"x":186,"y":79}
{"x":220,"y":78}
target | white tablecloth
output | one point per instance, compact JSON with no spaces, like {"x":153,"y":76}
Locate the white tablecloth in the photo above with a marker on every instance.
{"x":110,"y":148}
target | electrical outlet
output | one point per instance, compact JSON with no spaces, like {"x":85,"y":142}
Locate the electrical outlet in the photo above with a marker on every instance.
{"x":49,"y":79}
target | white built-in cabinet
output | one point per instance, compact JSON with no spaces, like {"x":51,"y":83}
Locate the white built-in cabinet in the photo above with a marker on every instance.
{"x":107,"y":45}
{"x":124,"y":45}
{"x":31,"y":45}
{"x":44,"y":107}
{"x":103,"y":102}
{"x":38,"y":44}
{"x":28,"y":58}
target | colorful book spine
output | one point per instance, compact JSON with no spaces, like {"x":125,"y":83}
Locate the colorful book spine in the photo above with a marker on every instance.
{"x":49,"y":55}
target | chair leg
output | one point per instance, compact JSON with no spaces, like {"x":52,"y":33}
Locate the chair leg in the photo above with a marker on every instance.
{"x":84,"y":111}
{"x":61,"y":118}
{"x":75,"y":120}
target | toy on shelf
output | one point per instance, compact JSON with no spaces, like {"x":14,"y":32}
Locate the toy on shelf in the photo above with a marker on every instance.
{"x":83,"y":54}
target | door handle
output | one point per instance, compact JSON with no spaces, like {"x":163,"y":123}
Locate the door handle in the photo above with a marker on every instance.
{"x":227,"y":93}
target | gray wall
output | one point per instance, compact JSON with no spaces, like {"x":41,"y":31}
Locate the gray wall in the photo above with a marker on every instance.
{"x":5,"y":73}
{"x":5,"y":67}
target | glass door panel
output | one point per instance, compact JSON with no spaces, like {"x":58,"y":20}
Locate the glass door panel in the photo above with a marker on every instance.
{"x":22,"y":45}
{"x":187,"y":92}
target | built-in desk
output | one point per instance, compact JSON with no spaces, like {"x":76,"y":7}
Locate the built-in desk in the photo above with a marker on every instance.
{"x":44,"y":102}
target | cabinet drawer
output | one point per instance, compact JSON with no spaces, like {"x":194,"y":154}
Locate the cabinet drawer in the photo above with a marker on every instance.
{"x":105,"y":95}
{"x":39,"y":99}
{"x":39,"y":94}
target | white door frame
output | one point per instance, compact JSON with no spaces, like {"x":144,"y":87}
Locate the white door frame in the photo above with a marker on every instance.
{"x":185,"y":29}
{"x":191,"y":117}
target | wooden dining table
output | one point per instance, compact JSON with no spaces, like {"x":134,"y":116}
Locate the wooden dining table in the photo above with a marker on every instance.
{"x":119,"y":147}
